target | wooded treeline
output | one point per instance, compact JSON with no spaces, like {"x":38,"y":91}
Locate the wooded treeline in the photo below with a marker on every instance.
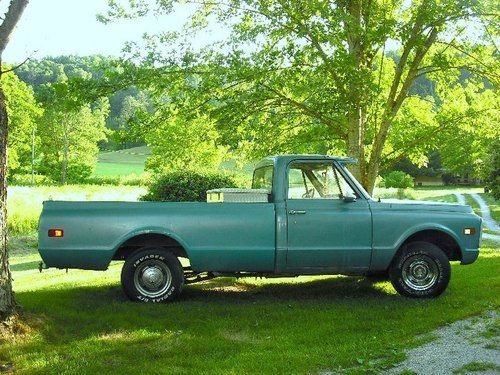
{"x":54,"y":133}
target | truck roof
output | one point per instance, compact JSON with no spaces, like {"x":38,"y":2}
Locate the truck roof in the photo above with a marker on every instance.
{"x":285,"y":159}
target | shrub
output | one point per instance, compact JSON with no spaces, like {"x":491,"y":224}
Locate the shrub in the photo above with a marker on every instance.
{"x":186,"y":186}
{"x":398,"y":179}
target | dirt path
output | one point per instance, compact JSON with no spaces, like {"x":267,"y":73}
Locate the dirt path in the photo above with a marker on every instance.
{"x":489,"y":222}
{"x":458,"y":347}
{"x":460,"y":198}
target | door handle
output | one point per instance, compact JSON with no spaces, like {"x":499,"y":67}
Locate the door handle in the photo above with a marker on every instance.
{"x":296,"y":212}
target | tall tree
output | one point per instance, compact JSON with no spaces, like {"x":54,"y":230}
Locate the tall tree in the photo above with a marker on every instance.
{"x":7,"y":301}
{"x":70,"y":131}
{"x":315,"y":75}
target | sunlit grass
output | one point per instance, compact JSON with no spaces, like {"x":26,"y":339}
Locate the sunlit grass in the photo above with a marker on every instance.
{"x":81,"y":322}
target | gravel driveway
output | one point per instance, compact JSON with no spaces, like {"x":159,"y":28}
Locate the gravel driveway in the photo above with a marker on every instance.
{"x":473,"y":342}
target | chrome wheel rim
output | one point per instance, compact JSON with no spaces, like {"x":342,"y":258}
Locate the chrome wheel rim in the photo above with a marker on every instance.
{"x":152,"y":278}
{"x":420,"y":272}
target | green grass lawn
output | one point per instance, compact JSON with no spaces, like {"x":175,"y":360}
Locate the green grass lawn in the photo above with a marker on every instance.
{"x":117,"y":169}
{"x":122,"y":162}
{"x":81,"y":322}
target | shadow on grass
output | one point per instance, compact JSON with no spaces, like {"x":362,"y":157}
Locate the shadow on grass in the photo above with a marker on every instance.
{"x":229,"y":290}
{"x":231,"y":311}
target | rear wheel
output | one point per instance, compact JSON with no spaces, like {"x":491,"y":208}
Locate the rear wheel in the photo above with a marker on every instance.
{"x":420,"y":270}
{"x":152,"y":275}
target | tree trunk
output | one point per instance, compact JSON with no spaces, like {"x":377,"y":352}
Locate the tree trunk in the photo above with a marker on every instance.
{"x":356,"y":147}
{"x":64,"y":167}
{"x":7,"y":301}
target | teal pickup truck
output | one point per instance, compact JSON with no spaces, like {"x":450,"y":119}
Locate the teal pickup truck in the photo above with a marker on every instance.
{"x":316,"y":219}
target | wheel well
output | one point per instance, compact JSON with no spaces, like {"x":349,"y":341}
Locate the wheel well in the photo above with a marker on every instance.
{"x":442,"y":240}
{"x":149,"y":239}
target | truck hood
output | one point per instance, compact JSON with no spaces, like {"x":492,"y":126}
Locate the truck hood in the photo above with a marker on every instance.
{"x":397,"y":204}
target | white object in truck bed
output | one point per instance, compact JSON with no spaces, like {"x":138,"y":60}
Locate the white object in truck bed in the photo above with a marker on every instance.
{"x":237,"y":195}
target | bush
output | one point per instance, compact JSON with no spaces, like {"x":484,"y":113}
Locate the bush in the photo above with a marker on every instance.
{"x":398,"y":179}
{"x":186,"y":186}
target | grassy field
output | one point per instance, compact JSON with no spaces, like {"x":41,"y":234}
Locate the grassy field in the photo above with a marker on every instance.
{"x":493,"y":204}
{"x":81,"y":322}
{"x":24,"y":204}
{"x":122,"y":163}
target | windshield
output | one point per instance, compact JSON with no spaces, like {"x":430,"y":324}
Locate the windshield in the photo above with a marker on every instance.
{"x":354,"y":181}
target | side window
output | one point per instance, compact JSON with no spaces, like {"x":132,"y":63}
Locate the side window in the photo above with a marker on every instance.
{"x":263,"y":178}
{"x":316,"y":181}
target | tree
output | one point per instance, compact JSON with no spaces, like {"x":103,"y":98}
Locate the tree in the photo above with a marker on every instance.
{"x":69,"y":138}
{"x":307,"y":76}
{"x":23,"y":112}
{"x":66,"y":69}
{"x":7,"y":301}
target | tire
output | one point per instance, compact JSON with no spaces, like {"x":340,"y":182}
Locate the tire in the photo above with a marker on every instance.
{"x":420,"y":270}
{"x":152,"y":275}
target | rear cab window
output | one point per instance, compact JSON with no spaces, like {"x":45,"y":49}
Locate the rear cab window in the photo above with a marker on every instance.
{"x":263,"y":178}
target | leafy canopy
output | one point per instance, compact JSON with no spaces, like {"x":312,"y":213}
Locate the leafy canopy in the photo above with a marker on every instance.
{"x":325,"y":76}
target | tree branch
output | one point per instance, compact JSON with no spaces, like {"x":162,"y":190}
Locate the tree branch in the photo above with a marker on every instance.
{"x":12,"y":16}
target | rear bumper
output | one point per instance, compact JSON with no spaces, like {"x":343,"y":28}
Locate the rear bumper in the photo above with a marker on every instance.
{"x":469,"y":256}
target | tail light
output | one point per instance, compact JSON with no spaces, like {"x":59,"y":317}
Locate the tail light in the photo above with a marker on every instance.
{"x":56,"y":233}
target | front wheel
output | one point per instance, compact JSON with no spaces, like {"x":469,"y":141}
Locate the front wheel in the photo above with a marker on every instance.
{"x":152,"y":275}
{"x":420,"y":270}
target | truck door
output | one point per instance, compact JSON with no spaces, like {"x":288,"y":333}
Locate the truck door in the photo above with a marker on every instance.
{"x":328,"y":223}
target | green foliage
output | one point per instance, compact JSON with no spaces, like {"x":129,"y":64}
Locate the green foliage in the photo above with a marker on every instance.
{"x":315,"y":77}
{"x":186,"y":186}
{"x":495,"y":188}
{"x":65,"y":70}
{"x":69,"y":139}
{"x":398,"y":179}
{"x":23,"y":112}
{"x":178,"y":144}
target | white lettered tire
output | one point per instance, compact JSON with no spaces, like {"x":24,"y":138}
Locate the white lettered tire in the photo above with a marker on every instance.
{"x":152,"y":275}
{"x":420,"y":270}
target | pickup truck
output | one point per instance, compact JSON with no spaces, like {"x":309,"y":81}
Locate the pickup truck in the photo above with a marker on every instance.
{"x":316,"y":220}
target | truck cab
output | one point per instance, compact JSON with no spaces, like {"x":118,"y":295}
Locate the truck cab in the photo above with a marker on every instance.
{"x":323,"y":217}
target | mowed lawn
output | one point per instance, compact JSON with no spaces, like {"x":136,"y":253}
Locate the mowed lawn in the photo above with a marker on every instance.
{"x":80,"y":322}
{"x":122,"y":163}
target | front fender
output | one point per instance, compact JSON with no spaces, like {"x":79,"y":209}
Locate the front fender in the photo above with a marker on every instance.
{"x":434,"y":226}
{"x":382,"y":255}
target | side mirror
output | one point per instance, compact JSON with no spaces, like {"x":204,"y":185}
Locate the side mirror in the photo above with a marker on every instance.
{"x":349,"y":198}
